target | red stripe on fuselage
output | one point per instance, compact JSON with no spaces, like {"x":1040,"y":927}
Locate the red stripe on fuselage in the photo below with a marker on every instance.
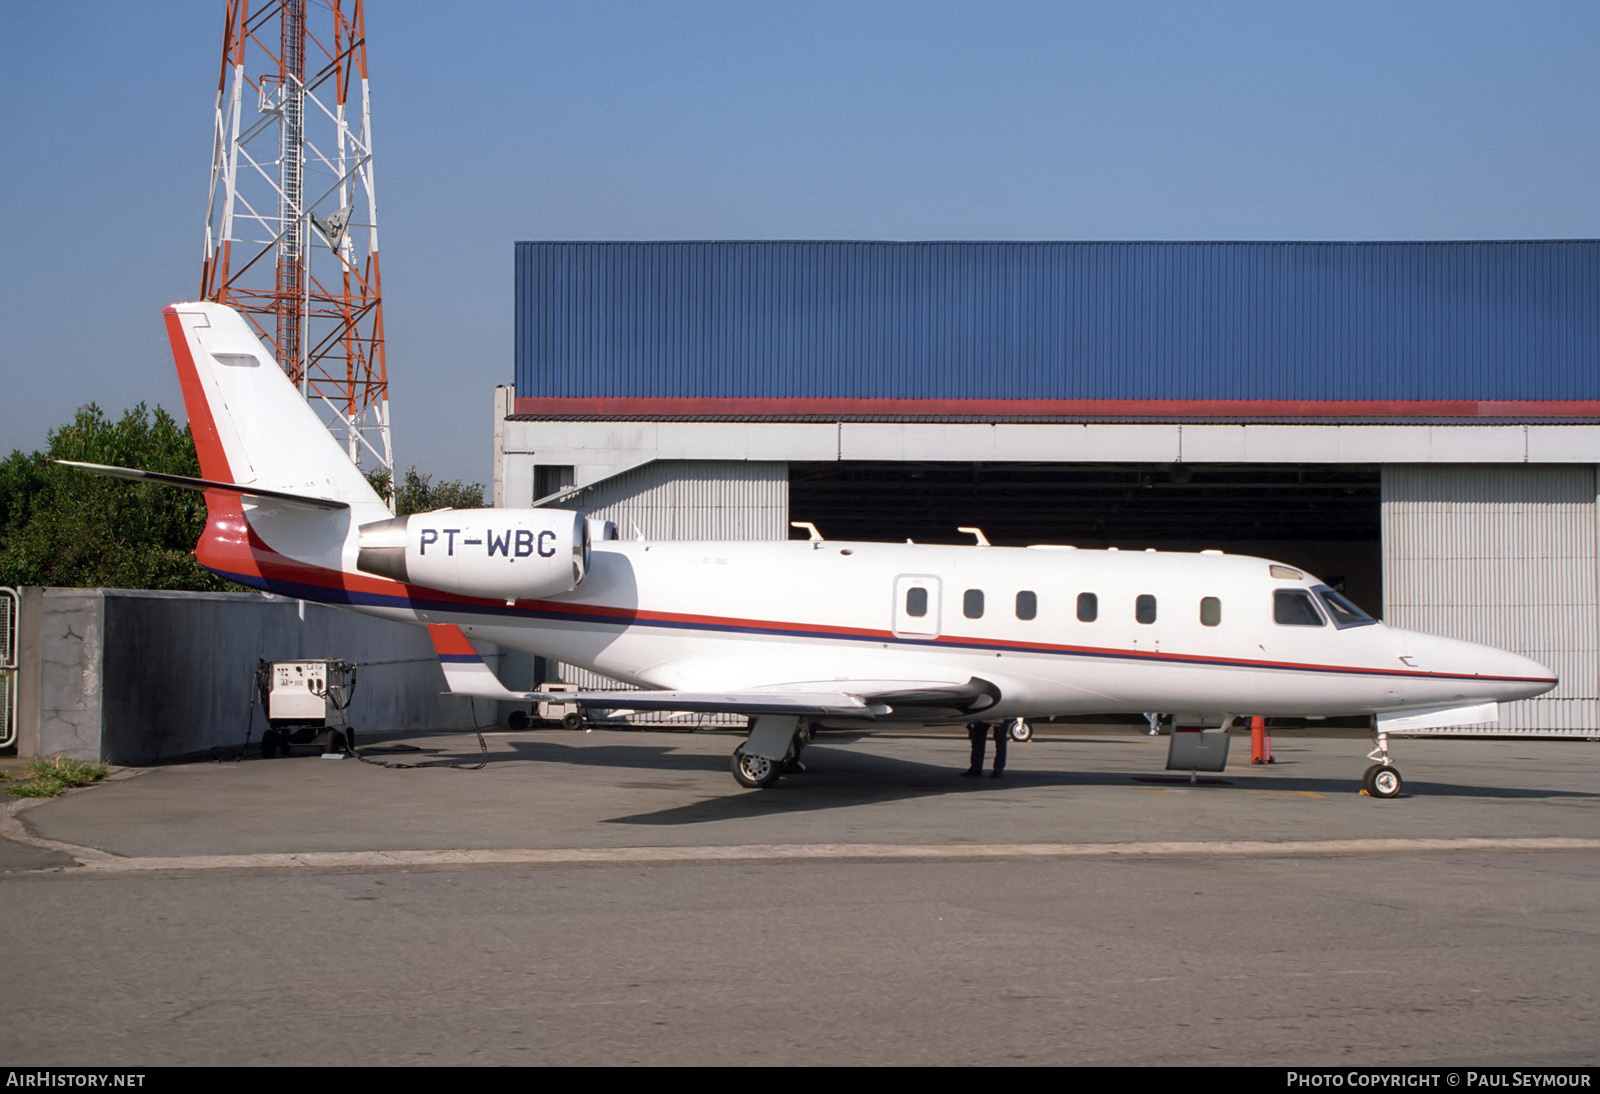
{"x":230,"y":553}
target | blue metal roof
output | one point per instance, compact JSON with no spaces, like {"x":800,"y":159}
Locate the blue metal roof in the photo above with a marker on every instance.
{"x":1060,"y":321}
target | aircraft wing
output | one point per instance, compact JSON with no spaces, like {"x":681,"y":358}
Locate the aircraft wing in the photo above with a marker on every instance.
{"x":466,"y":673}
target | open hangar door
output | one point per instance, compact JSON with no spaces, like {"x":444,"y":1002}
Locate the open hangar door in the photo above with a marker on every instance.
{"x":1324,"y":518}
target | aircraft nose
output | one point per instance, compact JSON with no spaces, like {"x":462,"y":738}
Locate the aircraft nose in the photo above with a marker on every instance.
{"x":1505,"y":675}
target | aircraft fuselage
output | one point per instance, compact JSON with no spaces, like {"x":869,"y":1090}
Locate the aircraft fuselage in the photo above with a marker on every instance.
{"x":1057,"y":630}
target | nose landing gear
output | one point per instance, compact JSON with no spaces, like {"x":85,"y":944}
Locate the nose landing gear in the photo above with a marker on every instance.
{"x":1382,"y":779}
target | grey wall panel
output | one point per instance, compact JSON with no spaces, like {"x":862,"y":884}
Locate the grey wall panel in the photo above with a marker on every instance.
{"x":136,"y":676}
{"x":1504,"y":555}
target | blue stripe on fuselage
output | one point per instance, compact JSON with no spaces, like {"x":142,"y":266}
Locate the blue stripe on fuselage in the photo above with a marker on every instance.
{"x":325,"y":595}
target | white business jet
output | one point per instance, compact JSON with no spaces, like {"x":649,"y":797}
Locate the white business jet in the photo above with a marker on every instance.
{"x":798,"y":635}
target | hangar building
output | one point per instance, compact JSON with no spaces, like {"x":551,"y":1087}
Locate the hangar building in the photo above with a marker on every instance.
{"x":1417,"y":423}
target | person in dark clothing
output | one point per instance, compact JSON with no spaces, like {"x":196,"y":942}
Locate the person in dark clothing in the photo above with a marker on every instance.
{"x":976,"y":731}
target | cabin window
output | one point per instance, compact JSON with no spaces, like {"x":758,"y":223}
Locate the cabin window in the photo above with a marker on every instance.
{"x":917,"y":602}
{"x":1210,"y":611}
{"x":972,"y":603}
{"x":1144,"y":608}
{"x":1027,"y":605}
{"x":1341,"y":611}
{"x":1294,"y":608}
{"x":1088,"y":607}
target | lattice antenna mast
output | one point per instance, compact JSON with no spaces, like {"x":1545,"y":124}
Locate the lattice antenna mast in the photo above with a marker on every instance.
{"x":292,"y":221}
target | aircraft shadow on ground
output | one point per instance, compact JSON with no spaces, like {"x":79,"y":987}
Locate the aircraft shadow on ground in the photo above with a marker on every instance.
{"x":613,"y":752}
{"x":839,"y":777}
{"x":640,"y":755}
{"x":836,"y":778}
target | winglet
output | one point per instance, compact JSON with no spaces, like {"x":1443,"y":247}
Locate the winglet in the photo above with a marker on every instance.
{"x":465,"y":672}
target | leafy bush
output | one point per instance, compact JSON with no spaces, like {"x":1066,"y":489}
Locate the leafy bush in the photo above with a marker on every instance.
{"x":59,"y":526}
{"x":420,"y":494}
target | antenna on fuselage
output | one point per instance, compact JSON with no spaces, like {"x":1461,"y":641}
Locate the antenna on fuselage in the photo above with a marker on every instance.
{"x":976,"y":533}
{"x":810,"y":529}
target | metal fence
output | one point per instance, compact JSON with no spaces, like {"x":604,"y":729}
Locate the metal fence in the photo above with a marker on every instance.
{"x":8,"y":667}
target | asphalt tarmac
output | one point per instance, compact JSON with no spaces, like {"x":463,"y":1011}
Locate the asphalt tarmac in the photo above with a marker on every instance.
{"x":616,"y":898}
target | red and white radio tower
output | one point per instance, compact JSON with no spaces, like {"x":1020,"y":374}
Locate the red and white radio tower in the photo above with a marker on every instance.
{"x":292,"y":222}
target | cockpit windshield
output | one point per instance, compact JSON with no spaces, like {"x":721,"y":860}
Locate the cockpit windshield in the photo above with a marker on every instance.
{"x":1340,"y":610}
{"x":1295,"y":608}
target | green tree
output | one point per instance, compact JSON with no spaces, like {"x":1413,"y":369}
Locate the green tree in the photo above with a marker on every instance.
{"x":64,"y":527}
{"x":419,"y":494}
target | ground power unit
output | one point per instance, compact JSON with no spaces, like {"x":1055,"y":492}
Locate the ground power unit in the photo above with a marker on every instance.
{"x":305,"y":703}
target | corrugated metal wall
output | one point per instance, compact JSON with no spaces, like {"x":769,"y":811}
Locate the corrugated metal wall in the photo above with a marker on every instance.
{"x":1504,"y":555}
{"x":688,"y":499}
{"x":1279,"y":321}
{"x":694,"y":499}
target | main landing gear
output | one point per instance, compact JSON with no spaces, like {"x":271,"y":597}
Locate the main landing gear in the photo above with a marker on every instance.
{"x":1382,"y":779}
{"x":771,"y":751}
{"x":755,"y":772}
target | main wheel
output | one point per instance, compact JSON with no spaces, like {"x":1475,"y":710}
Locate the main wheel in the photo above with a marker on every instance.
{"x":1382,"y":781}
{"x":1021,"y":731}
{"x":519,"y":720}
{"x":754,"y":772}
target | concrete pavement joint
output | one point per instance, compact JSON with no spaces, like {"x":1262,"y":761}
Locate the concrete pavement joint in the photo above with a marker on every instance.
{"x":12,"y":828}
{"x":99,"y":862}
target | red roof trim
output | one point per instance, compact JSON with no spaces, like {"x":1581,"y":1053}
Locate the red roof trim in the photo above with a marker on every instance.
{"x":1005,"y":408}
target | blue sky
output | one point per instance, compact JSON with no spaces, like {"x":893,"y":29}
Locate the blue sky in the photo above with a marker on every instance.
{"x":495,"y":122}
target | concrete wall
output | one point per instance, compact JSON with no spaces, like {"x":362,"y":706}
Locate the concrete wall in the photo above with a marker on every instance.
{"x":135,"y":677}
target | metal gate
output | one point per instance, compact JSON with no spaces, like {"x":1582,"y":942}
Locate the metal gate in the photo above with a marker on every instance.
{"x":8,"y":667}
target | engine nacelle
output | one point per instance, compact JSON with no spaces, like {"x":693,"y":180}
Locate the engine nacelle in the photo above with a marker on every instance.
{"x":503,"y":554}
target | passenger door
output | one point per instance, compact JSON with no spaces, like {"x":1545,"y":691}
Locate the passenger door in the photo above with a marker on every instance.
{"x":916,"y":606}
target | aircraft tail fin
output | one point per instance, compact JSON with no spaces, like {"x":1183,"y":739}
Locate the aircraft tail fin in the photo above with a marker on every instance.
{"x":251,"y":427}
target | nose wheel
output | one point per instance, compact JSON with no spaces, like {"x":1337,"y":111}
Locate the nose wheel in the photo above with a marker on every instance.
{"x":1382,"y":779}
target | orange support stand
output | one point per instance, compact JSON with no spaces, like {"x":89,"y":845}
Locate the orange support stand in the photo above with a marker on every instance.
{"x":1260,"y":743}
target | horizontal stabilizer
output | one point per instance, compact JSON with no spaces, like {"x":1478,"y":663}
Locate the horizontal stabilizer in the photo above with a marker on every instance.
{"x":183,"y":482}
